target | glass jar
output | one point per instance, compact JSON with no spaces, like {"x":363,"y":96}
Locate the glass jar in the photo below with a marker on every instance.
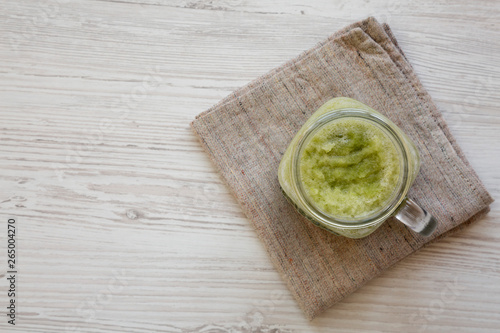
{"x":406,"y":165}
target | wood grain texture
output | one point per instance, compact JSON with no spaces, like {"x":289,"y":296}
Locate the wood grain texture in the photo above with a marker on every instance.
{"x":125,"y":226}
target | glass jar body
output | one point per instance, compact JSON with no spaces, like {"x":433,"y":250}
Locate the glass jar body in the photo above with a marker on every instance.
{"x":290,"y":181}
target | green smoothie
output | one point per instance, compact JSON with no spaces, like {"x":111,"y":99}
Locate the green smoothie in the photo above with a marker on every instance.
{"x":350,"y":168}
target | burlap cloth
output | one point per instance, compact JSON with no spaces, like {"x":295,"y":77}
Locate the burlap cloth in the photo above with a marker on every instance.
{"x":247,"y":133}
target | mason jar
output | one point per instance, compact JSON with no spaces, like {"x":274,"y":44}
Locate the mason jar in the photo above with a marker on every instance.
{"x":350,"y":189}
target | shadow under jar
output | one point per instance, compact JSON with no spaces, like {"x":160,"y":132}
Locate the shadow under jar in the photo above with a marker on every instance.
{"x":349,"y":169}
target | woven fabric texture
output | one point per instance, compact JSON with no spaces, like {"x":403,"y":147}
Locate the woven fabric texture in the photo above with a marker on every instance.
{"x":247,"y":133}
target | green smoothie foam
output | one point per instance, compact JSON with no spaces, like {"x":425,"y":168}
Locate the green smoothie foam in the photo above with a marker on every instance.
{"x":350,"y":168}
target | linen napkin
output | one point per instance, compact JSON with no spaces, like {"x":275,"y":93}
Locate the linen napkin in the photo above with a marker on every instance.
{"x":247,"y":133}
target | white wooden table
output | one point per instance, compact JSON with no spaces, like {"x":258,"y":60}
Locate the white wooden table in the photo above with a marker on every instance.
{"x":124,"y":224}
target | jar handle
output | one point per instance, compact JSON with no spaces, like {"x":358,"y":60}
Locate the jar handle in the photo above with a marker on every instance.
{"x":416,"y":218}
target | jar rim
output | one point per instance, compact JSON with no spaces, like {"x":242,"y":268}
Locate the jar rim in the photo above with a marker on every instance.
{"x":398,"y":194}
